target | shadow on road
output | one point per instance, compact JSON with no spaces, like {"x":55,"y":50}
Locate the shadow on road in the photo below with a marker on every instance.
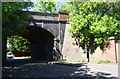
{"x":27,"y":69}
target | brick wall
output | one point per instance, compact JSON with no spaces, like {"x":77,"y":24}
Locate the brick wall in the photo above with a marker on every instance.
{"x":63,"y":16}
{"x":109,"y":53}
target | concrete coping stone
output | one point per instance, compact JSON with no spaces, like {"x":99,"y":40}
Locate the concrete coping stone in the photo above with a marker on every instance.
{"x":111,"y":38}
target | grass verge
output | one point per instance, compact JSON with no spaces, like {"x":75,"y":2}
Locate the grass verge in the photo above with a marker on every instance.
{"x":24,"y":57}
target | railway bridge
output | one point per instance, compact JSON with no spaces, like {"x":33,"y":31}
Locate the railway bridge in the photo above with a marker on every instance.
{"x":46,"y":34}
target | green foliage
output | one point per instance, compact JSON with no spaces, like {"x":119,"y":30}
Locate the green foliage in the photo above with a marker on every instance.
{"x":9,"y":52}
{"x":92,"y":23}
{"x":46,"y":6}
{"x":106,"y":62}
{"x":118,"y":41}
{"x":13,"y":19}
{"x":19,"y":44}
{"x":83,"y":60}
{"x":65,"y":8}
{"x":100,"y":61}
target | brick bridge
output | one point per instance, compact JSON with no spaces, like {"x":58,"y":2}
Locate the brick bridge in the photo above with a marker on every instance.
{"x":46,"y":34}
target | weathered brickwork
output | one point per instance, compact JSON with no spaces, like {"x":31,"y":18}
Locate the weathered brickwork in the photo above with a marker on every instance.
{"x":110,"y":51}
{"x":63,"y":16}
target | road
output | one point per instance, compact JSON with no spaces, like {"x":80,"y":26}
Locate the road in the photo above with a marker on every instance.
{"x":42,"y":69}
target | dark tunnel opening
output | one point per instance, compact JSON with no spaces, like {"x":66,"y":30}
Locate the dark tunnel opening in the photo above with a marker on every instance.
{"x":42,"y":44}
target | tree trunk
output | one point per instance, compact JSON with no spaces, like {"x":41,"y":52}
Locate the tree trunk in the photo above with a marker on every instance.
{"x":4,"y":52}
{"x":88,"y":57}
{"x":87,"y":52}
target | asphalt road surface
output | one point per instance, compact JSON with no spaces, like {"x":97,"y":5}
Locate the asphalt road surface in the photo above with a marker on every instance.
{"x":27,"y":69}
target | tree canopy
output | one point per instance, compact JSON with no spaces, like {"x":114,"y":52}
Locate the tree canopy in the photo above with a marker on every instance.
{"x":13,"y":18}
{"x":92,"y":23}
{"x":46,"y":6}
{"x":19,"y":44}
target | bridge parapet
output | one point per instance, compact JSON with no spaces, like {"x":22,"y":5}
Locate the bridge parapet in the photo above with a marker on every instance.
{"x":61,"y":16}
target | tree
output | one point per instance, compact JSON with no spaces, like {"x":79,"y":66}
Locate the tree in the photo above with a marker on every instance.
{"x":69,"y":7}
{"x":19,"y":44}
{"x":65,"y":7}
{"x":92,"y":23}
{"x":43,"y":6}
{"x":13,"y":20}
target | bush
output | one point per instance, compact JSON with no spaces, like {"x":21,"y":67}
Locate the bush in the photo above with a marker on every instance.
{"x":19,"y":44}
{"x":106,"y":62}
{"x":118,"y":41}
{"x":100,"y":61}
{"x":83,"y":60}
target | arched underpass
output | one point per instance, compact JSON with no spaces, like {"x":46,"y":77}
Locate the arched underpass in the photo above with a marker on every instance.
{"x":42,"y":28}
{"x":41,"y":44}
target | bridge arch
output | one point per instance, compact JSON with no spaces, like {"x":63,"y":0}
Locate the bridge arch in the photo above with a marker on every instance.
{"x":45,"y":27}
{"x":41,"y":42}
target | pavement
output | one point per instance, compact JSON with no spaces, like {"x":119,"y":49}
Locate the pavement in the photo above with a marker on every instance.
{"x":60,"y":69}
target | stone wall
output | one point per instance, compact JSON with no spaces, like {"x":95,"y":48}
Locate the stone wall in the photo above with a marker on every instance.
{"x":73,"y":52}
